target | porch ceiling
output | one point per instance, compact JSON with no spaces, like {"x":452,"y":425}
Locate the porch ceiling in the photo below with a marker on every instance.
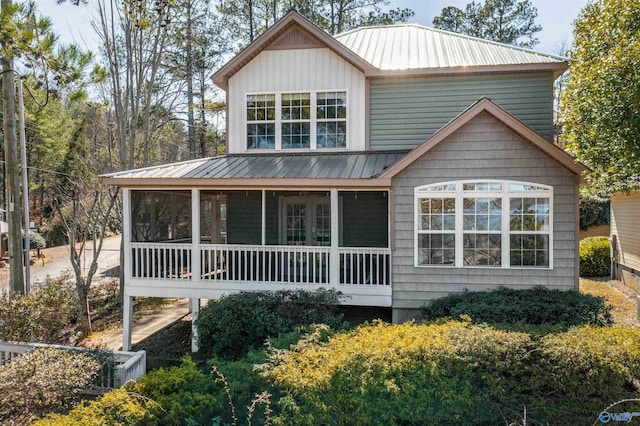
{"x":234,"y":169}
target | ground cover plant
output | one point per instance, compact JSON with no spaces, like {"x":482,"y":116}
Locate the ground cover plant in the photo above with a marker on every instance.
{"x":454,"y":373}
{"x":535,"y":306}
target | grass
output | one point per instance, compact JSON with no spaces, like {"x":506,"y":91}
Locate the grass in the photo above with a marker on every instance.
{"x":624,"y":310}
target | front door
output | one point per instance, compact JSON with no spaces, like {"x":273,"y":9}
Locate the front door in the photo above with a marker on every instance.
{"x":306,"y":221}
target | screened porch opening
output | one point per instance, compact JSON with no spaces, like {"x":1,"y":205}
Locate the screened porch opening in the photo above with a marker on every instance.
{"x":317,"y":238}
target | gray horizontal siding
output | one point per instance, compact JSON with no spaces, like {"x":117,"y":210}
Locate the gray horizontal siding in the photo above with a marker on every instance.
{"x":405,"y":113}
{"x":507,"y":157}
{"x":626,"y":227}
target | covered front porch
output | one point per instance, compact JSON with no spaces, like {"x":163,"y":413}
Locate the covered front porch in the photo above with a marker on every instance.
{"x":202,"y":243}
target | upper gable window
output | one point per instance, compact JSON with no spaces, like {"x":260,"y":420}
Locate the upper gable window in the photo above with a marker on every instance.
{"x":495,"y":224}
{"x":297,"y":120}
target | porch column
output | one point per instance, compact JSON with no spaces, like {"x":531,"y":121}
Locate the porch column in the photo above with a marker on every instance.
{"x":126,"y":234}
{"x":195,"y":311}
{"x":127,"y":319}
{"x":334,"y":256}
{"x":264,"y":217}
{"x":195,"y":235}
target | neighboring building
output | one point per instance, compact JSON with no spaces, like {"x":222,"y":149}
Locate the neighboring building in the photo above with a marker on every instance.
{"x":396,"y":164}
{"x":625,"y":239}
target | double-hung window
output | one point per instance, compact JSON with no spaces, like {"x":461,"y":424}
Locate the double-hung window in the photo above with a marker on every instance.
{"x":297,"y":120}
{"x":495,"y":224}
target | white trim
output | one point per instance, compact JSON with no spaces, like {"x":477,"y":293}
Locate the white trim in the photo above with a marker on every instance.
{"x":126,"y":231}
{"x":454,"y":189}
{"x":313,"y":120}
{"x":334,"y":255}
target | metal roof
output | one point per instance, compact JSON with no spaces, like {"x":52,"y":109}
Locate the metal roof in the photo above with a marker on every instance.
{"x":330,"y":165}
{"x":410,"y":46}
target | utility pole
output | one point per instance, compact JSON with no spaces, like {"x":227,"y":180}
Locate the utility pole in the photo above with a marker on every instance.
{"x":16,"y":276}
{"x":25,"y":192}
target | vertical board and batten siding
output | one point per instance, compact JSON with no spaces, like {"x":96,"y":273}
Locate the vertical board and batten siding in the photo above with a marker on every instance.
{"x":404,"y":113}
{"x":482,"y":149}
{"x":626,"y":227}
{"x":296,"y":70}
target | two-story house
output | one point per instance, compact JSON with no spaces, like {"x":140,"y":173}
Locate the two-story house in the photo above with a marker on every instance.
{"x":396,"y":164}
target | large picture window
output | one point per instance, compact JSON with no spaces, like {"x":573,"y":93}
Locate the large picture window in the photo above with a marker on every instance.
{"x":495,"y":224}
{"x":301,"y":120}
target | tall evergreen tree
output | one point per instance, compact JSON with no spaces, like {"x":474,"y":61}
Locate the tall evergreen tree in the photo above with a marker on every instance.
{"x":505,"y":21}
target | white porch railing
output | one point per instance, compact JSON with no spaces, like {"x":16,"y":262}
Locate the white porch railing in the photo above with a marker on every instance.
{"x":161,"y":261}
{"x":365,"y":266}
{"x":268,"y":264}
{"x":127,"y":365}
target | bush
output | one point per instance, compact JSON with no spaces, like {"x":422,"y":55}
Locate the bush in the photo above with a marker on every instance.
{"x":39,"y":317}
{"x":36,"y":241}
{"x":595,"y":257}
{"x":182,"y":395}
{"x":535,"y":306}
{"x":41,"y":381}
{"x":236,"y":323}
{"x":117,"y":407}
{"x":454,"y":373}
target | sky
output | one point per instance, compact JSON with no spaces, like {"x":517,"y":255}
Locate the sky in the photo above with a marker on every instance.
{"x":73,"y":23}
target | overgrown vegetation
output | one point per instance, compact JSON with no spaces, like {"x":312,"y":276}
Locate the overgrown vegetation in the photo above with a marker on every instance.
{"x":42,"y":316}
{"x":236,"y":323}
{"x":535,"y":306}
{"x":454,"y":373}
{"x":43,"y":381}
{"x":595,"y":257}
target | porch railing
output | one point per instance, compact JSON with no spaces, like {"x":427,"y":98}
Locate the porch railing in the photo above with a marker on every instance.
{"x":270,"y":264}
{"x":126,"y":366}
{"x":365,"y":266}
{"x":161,"y":261}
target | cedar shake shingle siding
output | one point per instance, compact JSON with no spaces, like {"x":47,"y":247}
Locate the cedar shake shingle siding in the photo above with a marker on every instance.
{"x":482,"y":149}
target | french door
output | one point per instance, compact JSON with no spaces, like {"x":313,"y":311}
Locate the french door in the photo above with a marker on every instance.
{"x":306,"y":221}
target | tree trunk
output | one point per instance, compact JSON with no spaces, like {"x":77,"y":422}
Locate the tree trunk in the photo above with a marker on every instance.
{"x":189,"y":78}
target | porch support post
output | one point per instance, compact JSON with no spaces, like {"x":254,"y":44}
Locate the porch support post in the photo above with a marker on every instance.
{"x":264,"y":217}
{"x":334,"y":256}
{"x":195,"y":235}
{"x":194,"y":307}
{"x":127,"y":319}
{"x":126,"y":234}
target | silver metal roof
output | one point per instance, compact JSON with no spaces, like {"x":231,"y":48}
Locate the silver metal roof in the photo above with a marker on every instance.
{"x":343,"y":165}
{"x":411,"y":46}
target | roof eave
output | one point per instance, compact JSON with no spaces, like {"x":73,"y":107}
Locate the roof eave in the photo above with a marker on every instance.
{"x":556,"y":67}
{"x":222,"y":76}
{"x":257,"y":183}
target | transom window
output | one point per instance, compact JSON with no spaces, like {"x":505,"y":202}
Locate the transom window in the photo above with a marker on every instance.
{"x":304,"y":120}
{"x":499,"y":224}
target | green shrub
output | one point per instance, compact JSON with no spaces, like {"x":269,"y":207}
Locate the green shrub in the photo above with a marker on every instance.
{"x":595,"y":257}
{"x":454,"y":373}
{"x":532,"y":306}
{"x":39,"y":317}
{"x":236,"y":323}
{"x":43,"y":381}
{"x":182,"y":394}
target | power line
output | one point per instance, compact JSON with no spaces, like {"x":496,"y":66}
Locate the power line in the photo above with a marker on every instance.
{"x":48,"y":171}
